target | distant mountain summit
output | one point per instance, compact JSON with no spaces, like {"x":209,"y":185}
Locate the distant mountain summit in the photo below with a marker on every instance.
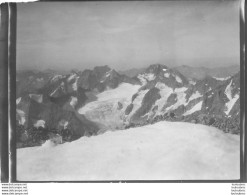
{"x":202,"y":72}
{"x":102,"y":77}
{"x":161,"y":73}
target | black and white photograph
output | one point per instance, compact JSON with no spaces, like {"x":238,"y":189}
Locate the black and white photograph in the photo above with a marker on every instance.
{"x":128,"y":91}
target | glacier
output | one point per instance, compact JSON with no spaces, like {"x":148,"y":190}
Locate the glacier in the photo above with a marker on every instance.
{"x":105,"y":110}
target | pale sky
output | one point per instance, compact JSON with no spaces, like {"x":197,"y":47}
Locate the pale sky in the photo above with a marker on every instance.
{"x":127,"y":34}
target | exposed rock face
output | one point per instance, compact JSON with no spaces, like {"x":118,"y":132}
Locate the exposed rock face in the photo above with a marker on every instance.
{"x":158,"y":93}
{"x":148,"y":101}
{"x":53,"y":114}
{"x":208,"y":96}
{"x":224,"y":98}
{"x":161,"y":73}
{"x":55,"y":99}
{"x":102,"y":77}
{"x":129,"y":109}
{"x":28,"y":82}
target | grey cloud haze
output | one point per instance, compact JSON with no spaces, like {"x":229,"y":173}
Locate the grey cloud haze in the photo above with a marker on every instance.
{"x":127,"y":34}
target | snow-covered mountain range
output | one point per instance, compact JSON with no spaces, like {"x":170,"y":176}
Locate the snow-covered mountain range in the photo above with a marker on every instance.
{"x":90,"y":102}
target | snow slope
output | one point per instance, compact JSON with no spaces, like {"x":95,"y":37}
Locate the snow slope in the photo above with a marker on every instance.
{"x":146,"y":77}
{"x":137,"y":103}
{"x":22,"y":116}
{"x":18,"y":100}
{"x":162,"y":151}
{"x":195,"y":108}
{"x":222,"y":79}
{"x":195,"y":96}
{"x":73,"y":101}
{"x":165,"y":92}
{"x":39,"y":123}
{"x":232,"y":100}
{"x":231,"y":103}
{"x":180,"y":97}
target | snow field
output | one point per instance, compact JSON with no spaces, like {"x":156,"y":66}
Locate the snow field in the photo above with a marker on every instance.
{"x":195,"y":108}
{"x":162,"y":151}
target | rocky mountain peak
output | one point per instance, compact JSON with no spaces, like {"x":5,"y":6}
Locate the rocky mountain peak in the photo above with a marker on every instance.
{"x":161,"y":73}
{"x":101,"y":69}
{"x":156,"y":68}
